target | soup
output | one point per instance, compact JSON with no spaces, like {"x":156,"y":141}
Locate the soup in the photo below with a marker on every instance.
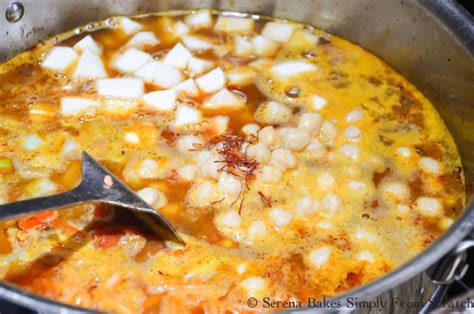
{"x":294,"y":164}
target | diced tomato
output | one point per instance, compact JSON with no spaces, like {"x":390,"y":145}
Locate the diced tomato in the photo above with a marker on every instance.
{"x":64,"y":227}
{"x":5,"y":245}
{"x":36,"y":221}
{"x":101,"y":212}
{"x":107,"y":237}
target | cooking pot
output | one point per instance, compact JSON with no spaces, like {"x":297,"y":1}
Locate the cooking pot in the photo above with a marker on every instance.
{"x":431,"y":42}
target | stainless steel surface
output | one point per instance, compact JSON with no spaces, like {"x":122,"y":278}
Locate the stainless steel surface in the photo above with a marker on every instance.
{"x":97,"y":185}
{"x":431,"y":42}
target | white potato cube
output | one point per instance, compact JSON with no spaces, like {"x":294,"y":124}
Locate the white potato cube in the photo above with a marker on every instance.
{"x":180,"y":28}
{"x":129,"y":26}
{"x":211,"y":81}
{"x":163,"y":75}
{"x":75,"y":105}
{"x":264,"y":47}
{"x":231,"y":219}
{"x":163,"y":100}
{"x":224,"y":99}
{"x":90,"y":66}
{"x":195,"y":43}
{"x":243,"y":47}
{"x":131,"y":60}
{"x":88,"y":43}
{"x":320,"y":256}
{"x":220,"y":124}
{"x":188,"y":172}
{"x":188,"y":87}
{"x":187,"y":115}
{"x":429,"y":206}
{"x":120,"y":87}
{"x":148,"y":169}
{"x":257,"y":230}
{"x":178,"y":56}
{"x":143,"y":39}
{"x":59,"y":58}
{"x":241,"y":76}
{"x":197,"y":66}
{"x":199,"y":19}
{"x":153,"y":197}
{"x":186,"y":144}
{"x":292,"y":68}
{"x":32,"y":142}
{"x":278,"y":31}
{"x":228,"y":184}
{"x":234,"y":24}
{"x":280,"y":217}
{"x":69,"y":147}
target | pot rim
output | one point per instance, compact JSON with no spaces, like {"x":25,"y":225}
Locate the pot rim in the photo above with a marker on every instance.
{"x":461,"y":25}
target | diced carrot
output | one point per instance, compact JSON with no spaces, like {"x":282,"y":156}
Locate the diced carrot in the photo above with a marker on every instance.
{"x":38,"y":220}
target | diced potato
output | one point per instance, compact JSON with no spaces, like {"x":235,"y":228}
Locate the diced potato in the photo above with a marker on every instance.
{"x":178,"y":56}
{"x":90,"y":66}
{"x":234,"y":25}
{"x":241,"y":76}
{"x":187,"y":115}
{"x":88,"y":43}
{"x":224,"y":99}
{"x":197,"y":66}
{"x":180,"y":28}
{"x":129,"y":26}
{"x":163,"y":75}
{"x":199,"y":19}
{"x":264,"y":47}
{"x":195,"y":43}
{"x":120,"y":87}
{"x":143,"y":39}
{"x":278,"y":31}
{"x":292,"y":68}
{"x":59,"y":58}
{"x":188,"y":87}
{"x":75,"y":105}
{"x":303,"y":39}
{"x":161,"y":100}
{"x":212,"y":81}
{"x":243,"y":47}
{"x":131,"y":60}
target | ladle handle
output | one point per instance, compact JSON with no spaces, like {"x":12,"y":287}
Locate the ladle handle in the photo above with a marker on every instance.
{"x":40,"y":204}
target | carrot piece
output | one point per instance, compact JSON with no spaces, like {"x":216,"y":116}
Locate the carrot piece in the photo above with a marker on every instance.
{"x":36,"y":221}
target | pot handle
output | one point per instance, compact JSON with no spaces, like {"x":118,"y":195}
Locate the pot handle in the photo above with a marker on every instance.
{"x":453,"y":266}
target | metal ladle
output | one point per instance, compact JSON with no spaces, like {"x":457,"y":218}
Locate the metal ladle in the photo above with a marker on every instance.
{"x":97,"y":185}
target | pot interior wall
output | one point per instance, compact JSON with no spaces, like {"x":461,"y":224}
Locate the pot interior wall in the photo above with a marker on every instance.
{"x":406,"y":34}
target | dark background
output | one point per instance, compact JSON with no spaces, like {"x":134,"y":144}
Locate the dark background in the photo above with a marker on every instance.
{"x":455,"y":289}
